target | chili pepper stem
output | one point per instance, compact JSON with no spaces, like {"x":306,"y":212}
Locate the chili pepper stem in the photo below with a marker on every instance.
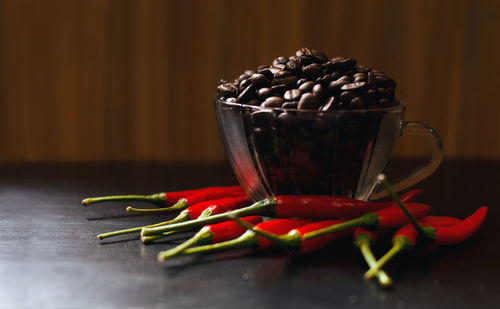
{"x":422,"y":231}
{"x":202,"y":236}
{"x":262,"y":207}
{"x":183,"y":216}
{"x":363,"y":243}
{"x":157,"y":198}
{"x":368,"y":219}
{"x":181,"y":204}
{"x":400,"y":243}
{"x":247,"y":240}
{"x":150,"y":239}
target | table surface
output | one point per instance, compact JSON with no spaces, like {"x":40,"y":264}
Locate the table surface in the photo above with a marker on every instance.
{"x":49,"y":256}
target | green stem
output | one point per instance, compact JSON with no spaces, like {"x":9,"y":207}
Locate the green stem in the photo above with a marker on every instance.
{"x":247,"y":240}
{"x":368,"y":219}
{"x":399,"y":244}
{"x":182,"y":217}
{"x":282,"y":240}
{"x":204,"y":235}
{"x":264,"y":207}
{"x":181,"y":204}
{"x":423,"y":232}
{"x":363,"y":242}
{"x":157,"y":198}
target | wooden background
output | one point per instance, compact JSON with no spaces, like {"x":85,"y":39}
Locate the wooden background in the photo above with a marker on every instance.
{"x":134,"y":80}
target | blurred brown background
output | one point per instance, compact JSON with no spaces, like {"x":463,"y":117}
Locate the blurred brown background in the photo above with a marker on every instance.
{"x":134,"y":80}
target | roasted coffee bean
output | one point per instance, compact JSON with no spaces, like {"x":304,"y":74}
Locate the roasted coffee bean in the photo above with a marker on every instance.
{"x":301,"y":81}
{"x":360,"y":77}
{"x":329,"y":105}
{"x":392,"y":93}
{"x":227,"y":90}
{"x":262,"y":118}
{"x":357,"y":86}
{"x":247,"y":94}
{"x":264,"y":93}
{"x":372,"y":83}
{"x":287,"y":119}
{"x":249,"y":72}
{"x":384,"y":93}
{"x":294,"y":64}
{"x":362,"y":68}
{"x":312,"y":71}
{"x":335,"y":86}
{"x":290,"y":105}
{"x":242,"y":77}
{"x":371,"y":95}
{"x":347,"y":64}
{"x":384,"y":103}
{"x":303,"y":52}
{"x":347,"y":96}
{"x":319,"y":55}
{"x":318,"y":90}
{"x":267,"y":73}
{"x":272,"y":102}
{"x":259,"y":80}
{"x":306,"y":87}
{"x":279,"y":90}
{"x":244,"y":83}
{"x":231,"y":100}
{"x":357,"y":103}
{"x":324,"y":80}
{"x":383,"y":80}
{"x":280,"y":62}
{"x":253,"y":102}
{"x":309,"y":101}
{"x":292,"y":95}
{"x":284,"y":78}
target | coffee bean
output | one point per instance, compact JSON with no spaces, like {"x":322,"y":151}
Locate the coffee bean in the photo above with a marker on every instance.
{"x":227,"y":90}
{"x":324,"y":80}
{"x":383,"y":80}
{"x":247,"y":94}
{"x":384,"y":103}
{"x":253,"y":102}
{"x":335,"y":86}
{"x":357,"y":103}
{"x":290,"y":105}
{"x":259,"y":80}
{"x":264,"y":93}
{"x":267,"y":73}
{"x":329,"y":105}
{"x":312,"y":71}
{"x":280,"y":62}
{"x":279,"y":90}
{"x":309,"y":101}
{"x":357,"y":86}
{"x":287,"y":119}
{"x":360,"y":77}
{"x":284,"y":78}
{"x":262,"y":118}
{"x":242,"y":77}
{"x":372,"y":83}
{"x":303,"y":52}
{"x":294,"y":64}
{"x":272,"y":102}
{"x":318,"y":90}
{"x":347,"y":96}
{"x":292,"y":95}
{"x":306,"y":87}
{"x":319,"y":55}
{"x":244,"y":83}
{"x":231,"y":100}
{"x":347,"y":64}
{"x":384,"y":93}
{"x":301,"y":81}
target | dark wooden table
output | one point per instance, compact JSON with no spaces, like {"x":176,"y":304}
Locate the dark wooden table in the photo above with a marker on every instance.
{"x":49,"y":256}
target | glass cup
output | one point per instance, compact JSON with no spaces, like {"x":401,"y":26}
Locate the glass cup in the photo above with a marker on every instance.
{"x":275,"y":151}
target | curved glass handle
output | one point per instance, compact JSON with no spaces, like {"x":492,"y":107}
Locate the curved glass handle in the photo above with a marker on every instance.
{"x":432,"y":163}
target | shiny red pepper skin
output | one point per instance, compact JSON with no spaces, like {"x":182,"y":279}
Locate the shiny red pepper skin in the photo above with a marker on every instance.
{"x":279,"y":227}
{"x":211,"y":194}
{"x":393,"y":217}
{"x":329,"y":207}
{"x":228,"y":230}
{"x":217,"y":206}
{"x":314,"y":244}
{"x":457,"y":233}
{"x":409,"y":231}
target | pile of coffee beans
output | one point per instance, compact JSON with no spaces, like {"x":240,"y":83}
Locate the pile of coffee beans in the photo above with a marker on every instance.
{"x":311,"y":81}
{"x":298,"y":144}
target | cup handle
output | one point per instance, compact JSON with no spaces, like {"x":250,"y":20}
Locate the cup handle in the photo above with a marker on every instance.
{"x":432,"y":163}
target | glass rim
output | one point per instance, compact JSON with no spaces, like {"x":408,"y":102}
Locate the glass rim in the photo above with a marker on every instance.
{"x":399,"y":107}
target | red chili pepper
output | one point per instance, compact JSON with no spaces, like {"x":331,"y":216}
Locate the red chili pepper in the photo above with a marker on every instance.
{"x":363,"y":238}
{"x":284,"y":206}
{"x":162,"y":198}
{"x":390,"y":217}
{"x":446,"y":231}
{"x":248,"y":240}
{"x":213,"y":234}
{"x":199,"y":210}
